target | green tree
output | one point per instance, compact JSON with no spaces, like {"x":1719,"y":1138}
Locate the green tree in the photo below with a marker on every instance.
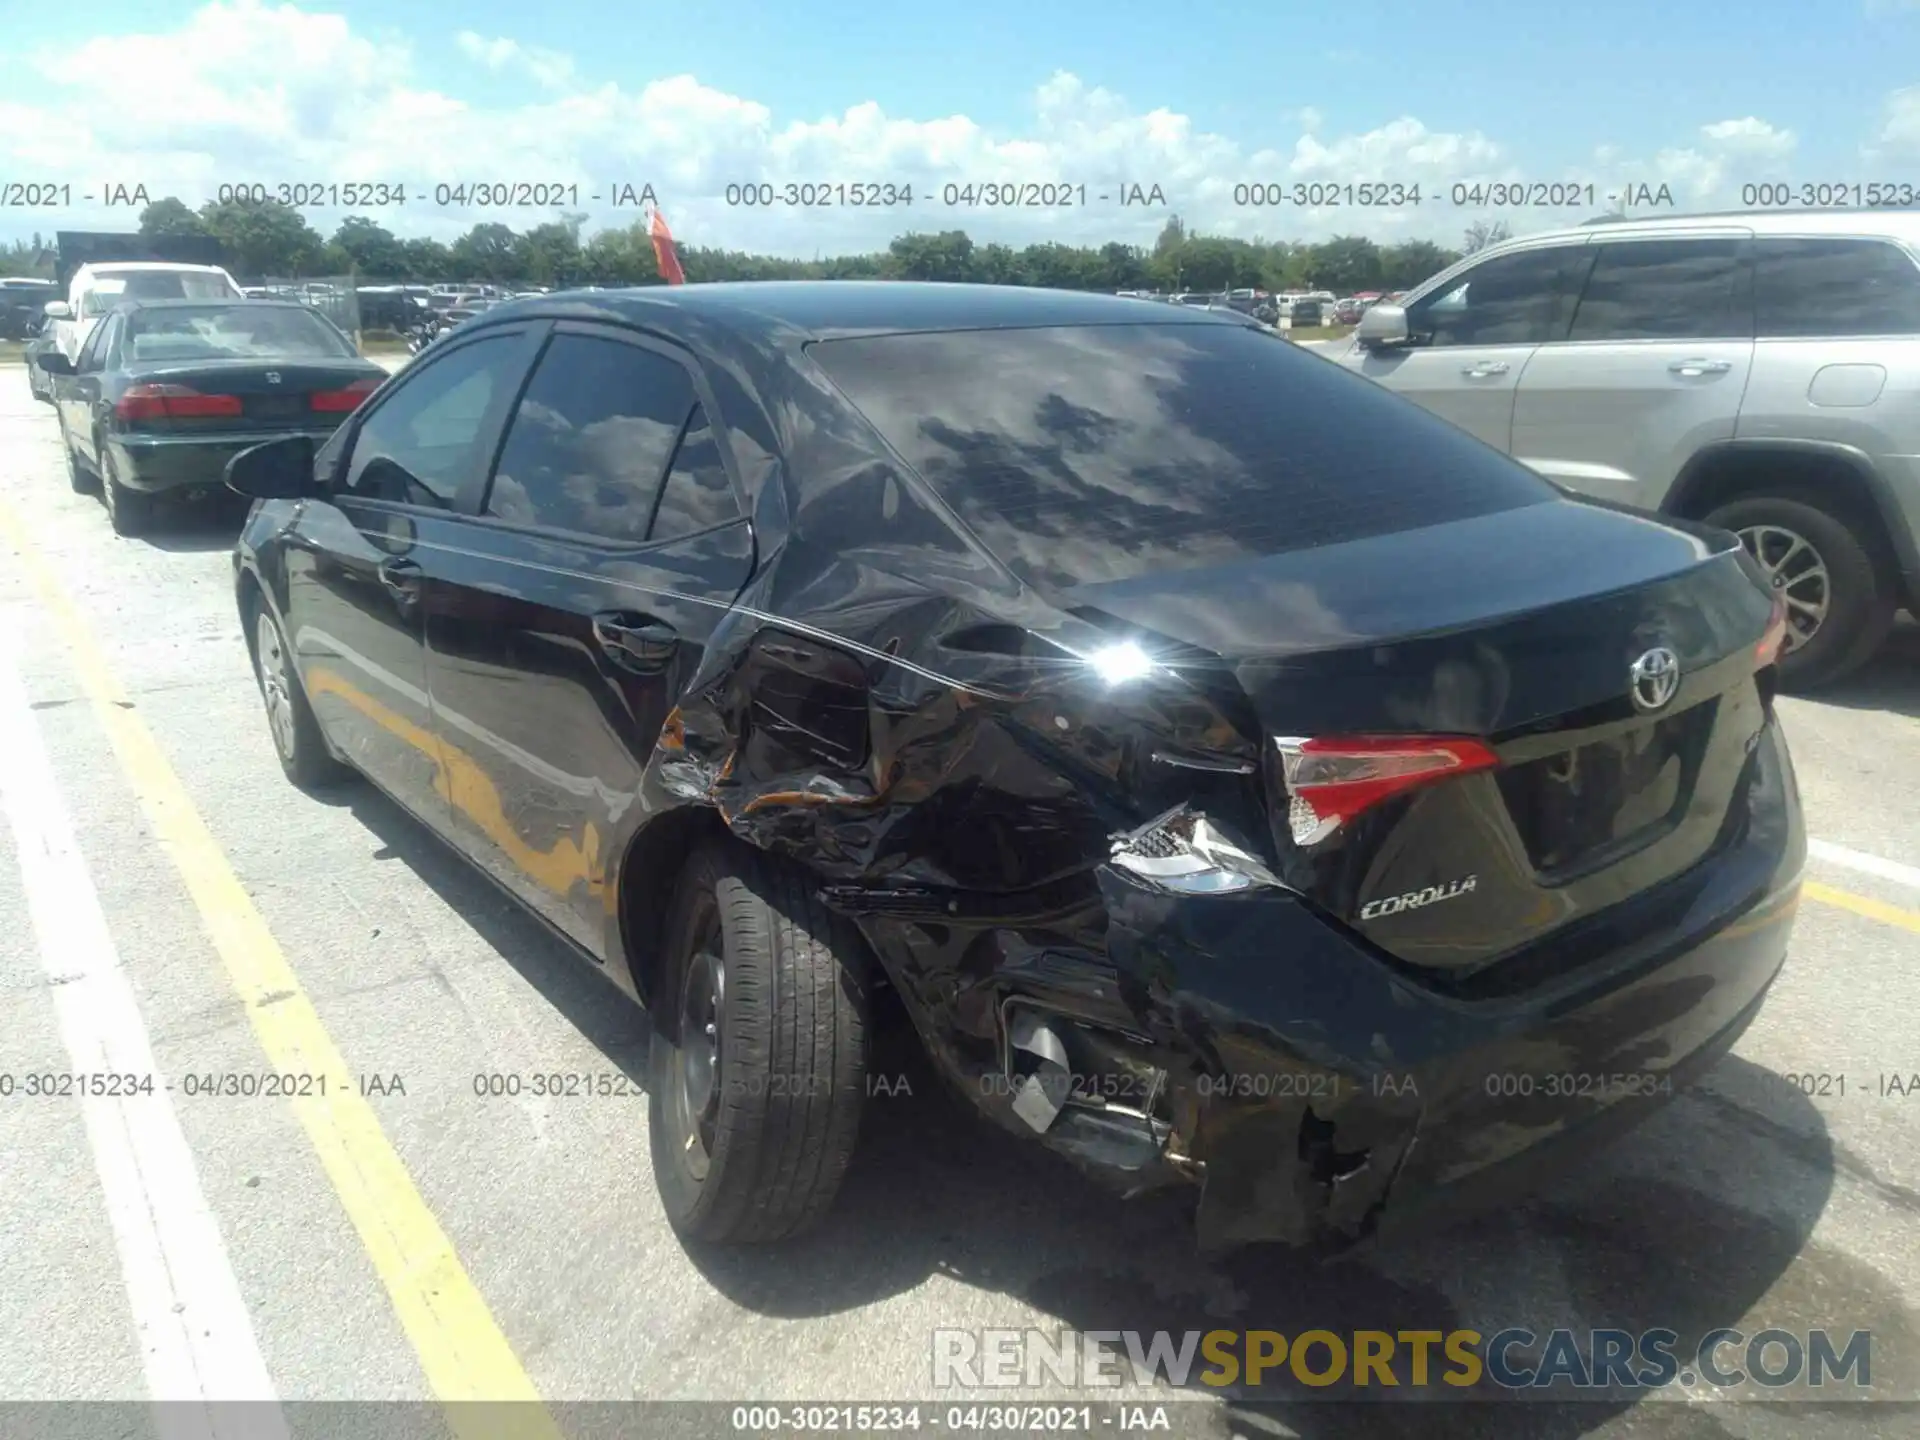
{"x":1404,"y":266}
{"x":487,"y":252}
{"x":168,"y":216}
{"x":263,"y":238}
{"x":370,"y":249}
{"x":945,"y":256}
{"x":1347,"y":263}
{"x":1482,"y":233}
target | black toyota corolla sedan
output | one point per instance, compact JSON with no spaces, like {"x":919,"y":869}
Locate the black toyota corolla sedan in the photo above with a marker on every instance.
{"x":1242,"y":778}
{"x":165,"y":392}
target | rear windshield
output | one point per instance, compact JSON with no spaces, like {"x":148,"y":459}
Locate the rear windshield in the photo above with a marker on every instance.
{"x":1095,"y":453}
{"x":231,"y":332}
{"x":164,"y":285}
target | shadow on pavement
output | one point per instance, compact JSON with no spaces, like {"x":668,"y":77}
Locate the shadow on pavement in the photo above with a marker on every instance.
{"x":565,"y":979}
{"x":198,"y":526}
{"x":1890,"y":681}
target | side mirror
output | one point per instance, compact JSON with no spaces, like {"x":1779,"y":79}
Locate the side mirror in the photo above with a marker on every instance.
{"x":58,"y":310}
{"x":274,"y":470}
{"x":53,"y":362}
{"x":1384,"y":327}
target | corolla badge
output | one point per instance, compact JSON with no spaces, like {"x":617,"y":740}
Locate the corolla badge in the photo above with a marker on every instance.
{"x":1655,"y":676}
{"x":1418,"y":899}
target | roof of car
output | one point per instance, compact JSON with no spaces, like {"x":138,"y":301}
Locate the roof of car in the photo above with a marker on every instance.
{"x":822,"y":309}
{"x":249,"y":301}
{"x":98,"y":267}
{"x":1891,"y":224}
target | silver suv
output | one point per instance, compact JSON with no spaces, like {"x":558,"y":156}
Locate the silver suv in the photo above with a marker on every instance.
{"x":1756,"y":371}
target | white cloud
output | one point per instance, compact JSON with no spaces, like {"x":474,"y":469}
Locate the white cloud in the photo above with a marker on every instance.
{"x":1899,"y":135}
{"x":214,"y":100}
{"x":548,"y":67}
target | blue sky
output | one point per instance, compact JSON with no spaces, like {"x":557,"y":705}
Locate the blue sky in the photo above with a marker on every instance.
{"x":1702,"y":96}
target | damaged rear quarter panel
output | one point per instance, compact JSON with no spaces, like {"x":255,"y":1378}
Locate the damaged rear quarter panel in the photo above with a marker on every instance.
{"x":954,"y":776}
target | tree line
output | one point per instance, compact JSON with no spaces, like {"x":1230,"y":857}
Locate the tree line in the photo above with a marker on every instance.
{"x":268,"y":240}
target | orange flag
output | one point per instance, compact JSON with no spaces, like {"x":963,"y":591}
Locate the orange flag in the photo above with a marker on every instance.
{"x":669,"y":262}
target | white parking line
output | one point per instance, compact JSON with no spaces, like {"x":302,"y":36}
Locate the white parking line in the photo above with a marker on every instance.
{"x":1866,"y":864}
{"x":196,"y":1339}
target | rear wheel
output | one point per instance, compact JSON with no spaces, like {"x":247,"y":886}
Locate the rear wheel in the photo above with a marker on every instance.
{"x":290,"y":719}
{"x":757,"y":1072}
{"x":1839,"y":602}
{"x":129,"y":511}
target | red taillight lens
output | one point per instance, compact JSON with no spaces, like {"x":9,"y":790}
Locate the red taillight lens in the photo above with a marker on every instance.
{"x":1775,"y":638}
{"x":1330,"y":781}
{"x":155,"y":402}
{"x":338,"y":401}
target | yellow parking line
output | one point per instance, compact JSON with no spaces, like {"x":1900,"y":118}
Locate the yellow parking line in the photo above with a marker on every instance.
{"x":461,"y":1348}
{"x":1862,"y":905}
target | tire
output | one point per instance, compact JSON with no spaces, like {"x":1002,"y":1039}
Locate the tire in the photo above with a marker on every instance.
{"x":1859,"y":597}
{"x":757,"y":1154}
{"x":129,"y":512}
{"x":291,"y":724}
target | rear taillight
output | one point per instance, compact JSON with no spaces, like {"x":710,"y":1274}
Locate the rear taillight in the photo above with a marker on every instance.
{"x":170,"y":402}
{"x":1775,"y":638}
{"x":1330,"y":781}
{"x":339,"y":401}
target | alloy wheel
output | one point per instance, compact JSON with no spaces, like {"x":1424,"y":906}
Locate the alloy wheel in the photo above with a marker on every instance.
{"x":276,"y":683}
{"x":1796,"y":573}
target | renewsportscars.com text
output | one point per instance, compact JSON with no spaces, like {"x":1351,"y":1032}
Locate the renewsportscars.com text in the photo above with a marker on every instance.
{"x":1516,"y":1358}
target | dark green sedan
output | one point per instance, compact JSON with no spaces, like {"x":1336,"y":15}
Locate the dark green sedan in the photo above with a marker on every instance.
{"x":165,"y":392}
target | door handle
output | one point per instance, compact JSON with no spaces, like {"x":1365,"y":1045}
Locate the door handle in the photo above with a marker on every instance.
{"x":635,"y":642}
{"x":1700,"y":367}
{"x":402,"y":578}
{"x":1481,"y":371}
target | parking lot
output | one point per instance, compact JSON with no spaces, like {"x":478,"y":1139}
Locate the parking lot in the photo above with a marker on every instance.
{"x":254,"y":928}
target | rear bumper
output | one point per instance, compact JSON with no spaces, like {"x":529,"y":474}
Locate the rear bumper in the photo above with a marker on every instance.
{"x":157,"y":464}
{"x":1322,"y":1093}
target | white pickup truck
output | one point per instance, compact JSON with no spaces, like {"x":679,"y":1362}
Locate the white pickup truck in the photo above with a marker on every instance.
{"x":96,"y":289}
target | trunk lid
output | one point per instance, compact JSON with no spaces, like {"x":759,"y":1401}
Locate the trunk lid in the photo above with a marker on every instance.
{"x":1520,"y":629}
{"x":273,"y":394}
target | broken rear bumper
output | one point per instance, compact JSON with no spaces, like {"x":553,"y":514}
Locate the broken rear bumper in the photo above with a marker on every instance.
{"x":1321,"y":1092}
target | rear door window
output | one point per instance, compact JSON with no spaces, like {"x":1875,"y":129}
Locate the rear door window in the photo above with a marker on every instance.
{"x":697,"y":494}
{"x":590,"y":439}
{"x":1095,"y":453}
{"x":1689,"y":289}
{"x":1834,"y":287}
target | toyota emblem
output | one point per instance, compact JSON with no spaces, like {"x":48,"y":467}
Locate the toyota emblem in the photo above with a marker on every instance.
{"x":1655,"y":676}
{"x":273,"y":377}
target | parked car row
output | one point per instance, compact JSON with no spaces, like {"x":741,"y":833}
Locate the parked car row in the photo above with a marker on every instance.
{"x":1171,"y":770}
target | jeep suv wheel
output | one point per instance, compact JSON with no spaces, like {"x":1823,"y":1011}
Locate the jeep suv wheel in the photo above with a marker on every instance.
{"x":1839,"y":602}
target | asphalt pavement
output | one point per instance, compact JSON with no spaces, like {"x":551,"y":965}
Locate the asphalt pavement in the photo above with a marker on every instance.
{"x":167,"y":899}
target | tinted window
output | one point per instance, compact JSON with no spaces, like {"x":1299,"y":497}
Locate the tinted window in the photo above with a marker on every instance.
{"x":1090,"y":454}
{"x":94,"y":351}
{"x":419,"y":446}
{"x":1514,"y":299}
{"x":1664,"y":290}
{"x":591,"y":438}
{"x":697,"y":493}
{"x":1834,"y":287}
{"x":234,"y":332}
